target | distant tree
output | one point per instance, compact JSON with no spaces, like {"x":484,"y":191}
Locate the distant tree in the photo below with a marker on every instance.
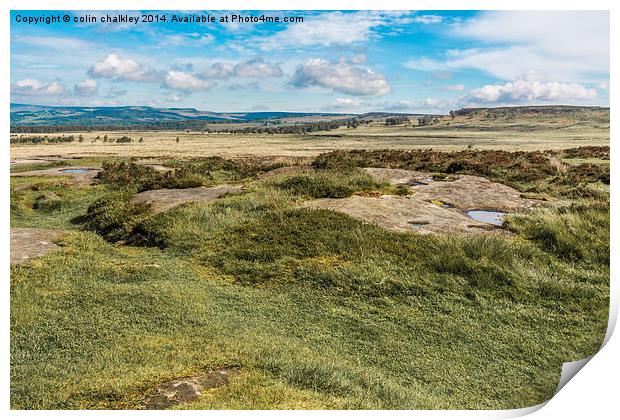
{"x":396,"y":120}
{"x":425,"y":120}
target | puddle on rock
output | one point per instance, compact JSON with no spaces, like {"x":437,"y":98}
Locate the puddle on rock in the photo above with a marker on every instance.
{"x":76,"y":171}
{"x":487,"y":216}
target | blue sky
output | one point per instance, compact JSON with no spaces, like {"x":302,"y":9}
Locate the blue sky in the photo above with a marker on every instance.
{"x":357,"y":61}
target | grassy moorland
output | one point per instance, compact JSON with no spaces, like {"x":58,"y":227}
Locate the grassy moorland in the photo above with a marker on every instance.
{"x":316,"y":309}
{"x":481,"y":130}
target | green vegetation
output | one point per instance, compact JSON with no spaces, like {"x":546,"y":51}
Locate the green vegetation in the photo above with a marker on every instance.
{"x":40,"y":166}
{"x":330,"y":184}
{"x":50,"y":202}
{"x":183,"y":173}
{"x":114,"y":216}
{"x":315,"y":308}
{"x":397,"y":120}
{"x":578,"y":232}
{"x":525,"y":171}
{"x":124,"y":139}
{"x":23,"y":139}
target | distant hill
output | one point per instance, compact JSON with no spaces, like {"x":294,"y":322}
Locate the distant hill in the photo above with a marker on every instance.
{"x":30,"y":115}
{"x":512,"y":111}
{"x":180,"y":118}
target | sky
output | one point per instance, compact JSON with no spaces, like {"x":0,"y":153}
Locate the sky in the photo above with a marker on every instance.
{"x":333,"y":61}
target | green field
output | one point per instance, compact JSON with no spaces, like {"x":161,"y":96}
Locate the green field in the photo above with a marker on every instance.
{"x":315,"y":308}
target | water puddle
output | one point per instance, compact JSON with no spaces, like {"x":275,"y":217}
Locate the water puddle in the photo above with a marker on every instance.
{"x":76,"y":171}
{"x":487,"y":216}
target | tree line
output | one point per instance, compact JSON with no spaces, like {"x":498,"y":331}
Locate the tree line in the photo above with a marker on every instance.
{"x":193,"y":125}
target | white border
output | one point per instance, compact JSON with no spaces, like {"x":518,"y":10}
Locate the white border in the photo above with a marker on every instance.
{"x":593,"y":393}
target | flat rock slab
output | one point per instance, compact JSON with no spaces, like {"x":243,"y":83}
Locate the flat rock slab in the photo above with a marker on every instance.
{"x":35,"y":159}
{"x":79,"y":174}
{"x":188,"y":389}
{"x":165,"y":199}
{"x":434,"y":206}
{"x":403,"y":213}
{"x":158,"y":167}
{"x":27,"y":243}
{"x":465,"y":192}
{"x":474,"y":193}
{"x":398,"y":176}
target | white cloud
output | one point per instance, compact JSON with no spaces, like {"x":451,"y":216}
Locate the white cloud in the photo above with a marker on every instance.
{"x":34,"y":87}
{"x":190,"y":39}
{"x":87,"y":87}
{"x":358,"y":59}
{"x":562,"y":45}
{"x":254,"y":68}
{"x":428,"y":64}
{"x":117,"y":68}
{"x":427,"y":19}
{"x":115,"y":93}
{"x":455,"y":87}
{"x":345,"y":103}
{"x":401,"y":105}
{"x":257,"y":67}
{"x":341,"y":77}
{"x":206,"y":39}
{"x":56,"y":43}
{"x":528,"y":91}
{"x":334,"y":28}
{"x":185,"y":82}
{"x":219,"y":71}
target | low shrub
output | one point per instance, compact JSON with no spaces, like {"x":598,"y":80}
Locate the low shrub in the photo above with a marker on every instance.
{"x":517,"y":169}
{"x":115,"y":216}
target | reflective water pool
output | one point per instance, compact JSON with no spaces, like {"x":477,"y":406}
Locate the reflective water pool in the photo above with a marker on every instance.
{"x":487,"y":216}
{"x":76,"y":171}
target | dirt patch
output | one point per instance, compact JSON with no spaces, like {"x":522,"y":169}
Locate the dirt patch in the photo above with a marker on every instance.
{"x":78,"y":174}
{"x":188,"y":389}
{"x":27,"y":243}
{"x":167,"y":198}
